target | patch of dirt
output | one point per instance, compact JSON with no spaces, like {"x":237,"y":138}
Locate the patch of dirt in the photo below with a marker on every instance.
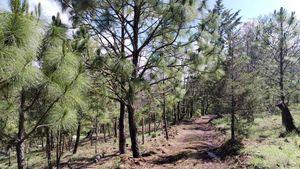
{"x":192,"y":145}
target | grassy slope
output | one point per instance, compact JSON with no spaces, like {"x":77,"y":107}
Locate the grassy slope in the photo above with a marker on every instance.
{"x":264,"y":147}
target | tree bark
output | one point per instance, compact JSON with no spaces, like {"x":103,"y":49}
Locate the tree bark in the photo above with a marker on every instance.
{"x":70,"y":141}
{"x":9,"y":157}
{"x":192,"y":109}
{"x":63,"y":142}
{"x":122,"y":138}
{"x":20,"y":146}
{"x":115,"y":127}
{"x":231,"y":54}
{"x":131,"y":91}
{"x":77,"y":137}
{"x":232,"y":126}
{"x":175,"y":115}
{"x":178,"y":111}
{"x":149,"y":124}
{"x":143,"y":132}
{"x":165,"y":117}
{"x":48,"y":148}
{"x":96,"y":142}
{"x":154,"y":122}
{"x":58,"y":149}
{"x":133,"y":132}
{"x":104,"y":132}
{"x":52,"y":140}
{"x":91,"y":136}
{"x":108,"y":130}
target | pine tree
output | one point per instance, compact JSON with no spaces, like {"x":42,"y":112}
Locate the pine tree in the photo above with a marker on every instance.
{"x":279,"y":40}
{"x":19,"y":40}
{"x":131,"y":40}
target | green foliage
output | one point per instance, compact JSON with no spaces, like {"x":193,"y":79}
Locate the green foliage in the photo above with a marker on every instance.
{"x":66,"y":77}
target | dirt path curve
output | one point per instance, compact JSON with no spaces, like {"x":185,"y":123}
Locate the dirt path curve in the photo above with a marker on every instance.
{"x":190,"y":148}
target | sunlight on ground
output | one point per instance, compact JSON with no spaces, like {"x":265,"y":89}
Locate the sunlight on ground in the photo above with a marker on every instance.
{"x":264,"y":147}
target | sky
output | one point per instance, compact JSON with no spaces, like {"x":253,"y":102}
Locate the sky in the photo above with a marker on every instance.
{"x":49,"y":8}
{"x":250,"y":9}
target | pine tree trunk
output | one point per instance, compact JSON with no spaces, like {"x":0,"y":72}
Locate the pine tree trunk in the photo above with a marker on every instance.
{"x":96,"y":127}
{"x":104,"y":132}
{"x":154,"y":122}
{"x":134,"y":76}
{"x":48,"y":148}
{"x":42,"y":142}
{"x":58,"y":149}
{"x":232,"y":91}
{"x":122,"y":138}
{"x":175,"y":115}
{"x":108,"y":130}
{"x":178,"y":111}
{"x":133,"y":132}
{"x":149,"y":124}
{"x":192,"y":109}
{"x":63,"y":142}
{"x":115,"y":128}
{"x":91,"y":136}
{"x":70,"y":141}
{"x":20,"y":146}
{"x":9,"y":157}
{"x":232,"y":126}
{"x":52,"y":140}
{"x":143,"y":132}
{"x":165,"y":117}
{"x":77,"y":137}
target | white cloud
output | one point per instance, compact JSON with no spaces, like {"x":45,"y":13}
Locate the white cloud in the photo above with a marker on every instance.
{"x":49,"y":8}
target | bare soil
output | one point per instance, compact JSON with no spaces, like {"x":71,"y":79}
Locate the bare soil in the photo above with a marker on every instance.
{"x":192,"y":145}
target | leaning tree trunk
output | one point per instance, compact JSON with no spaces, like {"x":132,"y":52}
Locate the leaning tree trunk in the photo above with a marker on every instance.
{"x":287,"y":117}
{"x":77,"y":137}
{"x":133,"y":132}
{"x":122,"y":138}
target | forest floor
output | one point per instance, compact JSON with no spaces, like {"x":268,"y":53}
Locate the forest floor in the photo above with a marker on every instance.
{"x":192,"y":144}
{"x":196,"y":144}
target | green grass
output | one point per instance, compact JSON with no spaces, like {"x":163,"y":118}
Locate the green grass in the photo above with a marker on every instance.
{"x":263,"y":145}
{"x":38,"y":159}
{"x":33,"y":160}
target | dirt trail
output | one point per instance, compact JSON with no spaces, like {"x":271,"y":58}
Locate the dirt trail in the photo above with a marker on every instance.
{"x":190,"y":148}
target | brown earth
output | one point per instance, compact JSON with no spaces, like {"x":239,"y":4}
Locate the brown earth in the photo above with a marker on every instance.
{"x":192,"y":145}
